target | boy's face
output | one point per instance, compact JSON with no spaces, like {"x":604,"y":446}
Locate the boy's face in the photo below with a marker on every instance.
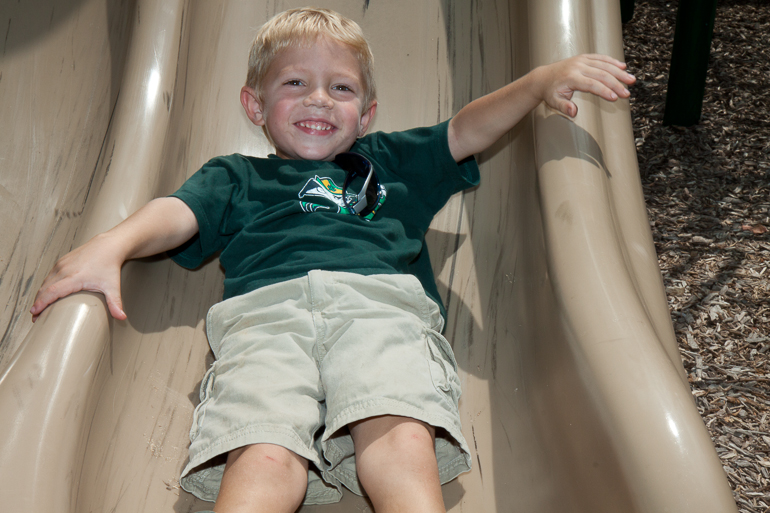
{"x":312,"y":101}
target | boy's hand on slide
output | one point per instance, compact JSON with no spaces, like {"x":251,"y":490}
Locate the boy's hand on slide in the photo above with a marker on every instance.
{"x":591,"y":73}
{"x":93,"y":267}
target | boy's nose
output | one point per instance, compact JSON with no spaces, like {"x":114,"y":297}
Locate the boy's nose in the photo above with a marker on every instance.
{"x":318,"y":98}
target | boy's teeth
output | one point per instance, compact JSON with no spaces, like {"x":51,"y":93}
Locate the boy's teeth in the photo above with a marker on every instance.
{"x":315,"y":126}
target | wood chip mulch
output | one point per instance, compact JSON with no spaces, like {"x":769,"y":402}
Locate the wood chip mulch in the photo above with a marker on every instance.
{"x":706,"y":188}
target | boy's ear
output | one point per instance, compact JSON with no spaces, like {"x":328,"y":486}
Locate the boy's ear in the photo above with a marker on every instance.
{"x":366,"y":118}
{"x":252,"y":105}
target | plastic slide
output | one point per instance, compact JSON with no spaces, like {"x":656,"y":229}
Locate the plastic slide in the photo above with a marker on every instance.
{"x":575,"y":399}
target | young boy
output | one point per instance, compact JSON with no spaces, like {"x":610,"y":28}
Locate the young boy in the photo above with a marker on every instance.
{"x":327,"y":343}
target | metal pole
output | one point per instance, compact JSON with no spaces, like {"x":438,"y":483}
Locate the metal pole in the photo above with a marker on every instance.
{"x":689,"y":62}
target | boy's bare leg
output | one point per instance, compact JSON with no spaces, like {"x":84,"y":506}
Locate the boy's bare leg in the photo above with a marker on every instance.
{"x":262,"y":478}
{"x":396,"y":464}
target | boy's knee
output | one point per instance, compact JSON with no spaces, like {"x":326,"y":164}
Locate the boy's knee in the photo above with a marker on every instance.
{"x":273,"y":458}
{"x":394,"y":435}
{"x":262,"y":477}
{"x":409,"y":435}
{"x":396,"y":464}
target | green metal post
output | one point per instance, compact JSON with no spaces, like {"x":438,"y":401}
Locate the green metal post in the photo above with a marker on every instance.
{"x":689,"y":62}
{"x":626,"y":10}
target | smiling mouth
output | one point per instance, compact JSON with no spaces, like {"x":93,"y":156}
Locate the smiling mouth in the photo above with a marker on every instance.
{"x":319,"y":126}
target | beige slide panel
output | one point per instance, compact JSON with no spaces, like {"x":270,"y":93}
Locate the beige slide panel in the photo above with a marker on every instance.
{"x":575,"y":399}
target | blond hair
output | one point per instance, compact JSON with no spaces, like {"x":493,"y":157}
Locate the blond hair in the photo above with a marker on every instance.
{"x":303,"y":26}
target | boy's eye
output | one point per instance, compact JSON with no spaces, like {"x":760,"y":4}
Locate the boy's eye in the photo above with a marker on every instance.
{"x":293,"y":82}
{"x":342,"y":87}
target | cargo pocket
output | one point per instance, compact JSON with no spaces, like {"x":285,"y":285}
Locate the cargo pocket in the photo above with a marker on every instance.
{"x":207,"y":385}
{"x":442,"y":364}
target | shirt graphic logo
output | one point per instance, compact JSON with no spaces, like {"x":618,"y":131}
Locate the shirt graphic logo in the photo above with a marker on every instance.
{"x":324,"y":187}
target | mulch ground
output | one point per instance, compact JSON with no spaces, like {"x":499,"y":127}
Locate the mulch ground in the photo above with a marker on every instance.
{"x":706,"y":188}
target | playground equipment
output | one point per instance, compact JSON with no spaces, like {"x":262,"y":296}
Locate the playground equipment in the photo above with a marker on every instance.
{"x":575,"y":399}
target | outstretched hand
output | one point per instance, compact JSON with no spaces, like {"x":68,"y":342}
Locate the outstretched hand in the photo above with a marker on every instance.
{"x":160,"y":225}
{"x":483,"y":121}
{"x":93,"y":267}
{"x":600,"y":75}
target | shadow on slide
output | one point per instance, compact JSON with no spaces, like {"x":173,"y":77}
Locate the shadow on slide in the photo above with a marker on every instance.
{"x":575,"y":399}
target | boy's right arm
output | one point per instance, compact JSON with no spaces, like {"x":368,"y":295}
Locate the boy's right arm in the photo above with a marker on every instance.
{"x":161,"y":225}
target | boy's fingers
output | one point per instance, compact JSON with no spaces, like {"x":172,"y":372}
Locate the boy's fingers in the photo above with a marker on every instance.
{"x":607,"y":71}
{"x":48,"y":295}
{"x":596,"y":58}
{"x":608,"y":93}
{"x":63,"y":288}
{"x":115,"y":305}
{"x":604,"y":84}
{"x":567,"y":107}
{"x":591,"y":85}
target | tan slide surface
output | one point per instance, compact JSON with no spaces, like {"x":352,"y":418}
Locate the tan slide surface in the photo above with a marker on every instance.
{"x":575,"y":399}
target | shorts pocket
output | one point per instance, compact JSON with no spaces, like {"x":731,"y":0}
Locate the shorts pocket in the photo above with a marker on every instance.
{"x":207,"y":386}
{"x":442,"y":365}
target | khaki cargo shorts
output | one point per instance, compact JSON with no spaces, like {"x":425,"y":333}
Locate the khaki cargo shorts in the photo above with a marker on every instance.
{"x":298,"y":361}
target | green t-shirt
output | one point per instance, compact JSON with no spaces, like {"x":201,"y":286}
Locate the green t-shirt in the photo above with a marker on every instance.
{"x":274,"y":220}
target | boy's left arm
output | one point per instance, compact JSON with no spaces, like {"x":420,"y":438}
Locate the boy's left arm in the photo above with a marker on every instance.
{"x":483,"y":121}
